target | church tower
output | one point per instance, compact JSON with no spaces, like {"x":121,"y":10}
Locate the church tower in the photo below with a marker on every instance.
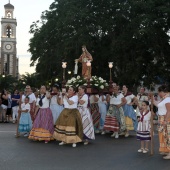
{"x":9,"y":61}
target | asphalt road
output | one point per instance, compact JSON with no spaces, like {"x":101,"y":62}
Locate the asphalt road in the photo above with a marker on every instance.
{"x":104,"y":153}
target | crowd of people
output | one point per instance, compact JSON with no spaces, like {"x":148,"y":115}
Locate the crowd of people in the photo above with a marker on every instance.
{"x":74,"y":116}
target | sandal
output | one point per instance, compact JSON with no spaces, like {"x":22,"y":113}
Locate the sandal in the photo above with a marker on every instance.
{"x":140,"y":150}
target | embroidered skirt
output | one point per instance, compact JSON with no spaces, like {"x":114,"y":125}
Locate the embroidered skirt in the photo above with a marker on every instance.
{"x":43,"y":127}
{"x":69,"y":127}
{"x":88,"y":128}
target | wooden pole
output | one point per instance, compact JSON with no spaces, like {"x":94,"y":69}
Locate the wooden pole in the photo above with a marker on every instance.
{"x":152,"y":126}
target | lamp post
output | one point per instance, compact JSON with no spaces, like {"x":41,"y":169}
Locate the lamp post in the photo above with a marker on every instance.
{"x":64,"y":65}
{"x":110,"y":82}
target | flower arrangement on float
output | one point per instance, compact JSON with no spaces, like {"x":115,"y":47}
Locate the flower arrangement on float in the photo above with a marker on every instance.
{"x":95,"y":82}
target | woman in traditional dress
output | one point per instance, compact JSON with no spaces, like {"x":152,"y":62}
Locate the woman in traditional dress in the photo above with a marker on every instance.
{"x":87,"y":121}
{"x":115,"y":114}
{"x":56,"y":105}
{"x":144,"y":126}
{"x":130,"y":115}
{"x":102,"y":103}
{"x":86,"y":71}
{"x":69,"y":127}
{"x":43,"y":127}
{"x":25,"y":122}
{"x":164,"y":121}
{"x":32,"y":101}
{"x":94,"y":108}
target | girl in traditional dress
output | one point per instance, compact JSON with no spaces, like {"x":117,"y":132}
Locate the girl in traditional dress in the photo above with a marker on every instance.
{"x":164,"y":120}
{"x":102,"y":103}
{"x":69,"y":127}
{"x":130,"y":115}
{"x":115,"y":114}
{"x":143,"y":130}
{"x":87,"y":121}
{"x":94,"y":108}
{"x":25,"y":122}
{"x":32,"y":101}
{"x":43,"y":127}
{"x":56,"y":105}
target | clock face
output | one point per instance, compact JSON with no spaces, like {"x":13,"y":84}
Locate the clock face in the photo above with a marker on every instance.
{"x":8,"y":46}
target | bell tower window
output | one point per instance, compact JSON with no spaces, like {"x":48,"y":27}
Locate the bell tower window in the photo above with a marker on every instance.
{"x":8,"y":31}
{"x":9,"y":15}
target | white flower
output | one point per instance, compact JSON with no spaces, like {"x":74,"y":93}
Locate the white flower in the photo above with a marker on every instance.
{"x":73,"y":79}
{"x":91,"y":79}
{"x":69,"y":81}
{"x":101,"y":87}
{"x":85,"y":84}
{"x":78,"y":77}
{"x":96,"y":84}
{"x":77,"y":85}
{"x":106,"y":84}
{"x":80,"y":80}
{"x":102,"y":81}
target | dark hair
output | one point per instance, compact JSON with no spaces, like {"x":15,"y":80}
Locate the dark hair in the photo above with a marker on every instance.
{"x":163,"y":88}
{"x":3,"y":92}
{"x":56,"y":86}
{"x":126,"y":86}
{"x":27,"y":98}
{"x":146,"y":102}
{"x":74,"y":88}
{"x":82,"y":87}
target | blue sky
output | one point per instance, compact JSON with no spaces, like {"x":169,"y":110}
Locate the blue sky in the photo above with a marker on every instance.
{"x":26,"y":11}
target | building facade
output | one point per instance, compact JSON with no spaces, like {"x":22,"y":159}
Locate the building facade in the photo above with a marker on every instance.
{"x":8,"y":58}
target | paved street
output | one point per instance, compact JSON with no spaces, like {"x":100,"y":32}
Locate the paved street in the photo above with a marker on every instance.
{"x":104,"y":153}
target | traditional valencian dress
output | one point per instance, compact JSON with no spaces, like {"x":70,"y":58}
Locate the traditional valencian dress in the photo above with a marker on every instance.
{"x":25,"y":122}
{"x":143,"y":130}
{"x":69,"y":127}
{"x":94,"y":108}
{"x":55,"y":108}
{"x":43,"y":127}
{"x":115,"y":120}
{"x":164,"y":130}
{"x":32,"y":98}
{"x":102,"y":110}
{"x":130,"y":115}
{"x":87,"y":121}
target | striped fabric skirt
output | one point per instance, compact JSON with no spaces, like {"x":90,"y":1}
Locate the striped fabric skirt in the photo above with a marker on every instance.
{"x":164,"y":135}
{"x":25,"y":122}
{"x":43,"y":127}
{"x":88,"y":129}
{"x":143,"y":131}
{"x":69,"y":127}
{"x":111,"y":124}
{"x":94,"y":108}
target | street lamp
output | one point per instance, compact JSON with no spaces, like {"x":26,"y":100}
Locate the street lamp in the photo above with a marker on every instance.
{"x":56,"y":79}
{"x":69,"y":72}
{"x":110,"y":82}
{"x":64,"y":65}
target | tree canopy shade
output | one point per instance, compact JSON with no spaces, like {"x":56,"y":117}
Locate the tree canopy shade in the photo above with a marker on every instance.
{"x":132,"y":34}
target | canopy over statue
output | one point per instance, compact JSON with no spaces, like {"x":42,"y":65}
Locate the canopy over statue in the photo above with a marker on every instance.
{"x":86,"y":56}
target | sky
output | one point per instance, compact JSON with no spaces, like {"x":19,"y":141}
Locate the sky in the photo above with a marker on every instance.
{"x":26,"y":12}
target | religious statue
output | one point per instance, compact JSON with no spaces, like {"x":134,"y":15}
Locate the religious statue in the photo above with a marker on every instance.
{"x":84,"y":58}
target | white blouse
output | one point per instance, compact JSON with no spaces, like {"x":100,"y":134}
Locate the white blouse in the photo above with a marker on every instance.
{"x":54,"y":100}
{"x":25,"y":106}
{"x":45,"y":101}
{"x":129,"y":98}
{"x":161,"y":106}
{"x":85,"y":99}
{"x":73,"y":106}
{"x":116,"y":100}
{"x":146,"y":117}
{"x":32,"y":98}
{"x":100,"y":99}
{"x":92,"y":98}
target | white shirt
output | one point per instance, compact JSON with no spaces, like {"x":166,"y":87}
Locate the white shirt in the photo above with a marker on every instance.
{"x":92,"y":98}
{"x":45,"y":102}
{"x":129,"y":98}
{"x":146,"y":117}
{"x":73,"y":106}
{"x":31,"y":96}
{"x":116,"y":100}
{"x":54,"y":99}
{"x":25,"y":106}
{"x":85,"y":99}
{"x":100,"y":99}
{"x":161,"y":106}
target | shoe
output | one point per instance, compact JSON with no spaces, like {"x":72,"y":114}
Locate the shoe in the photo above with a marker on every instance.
{"x":61,"y":143}
{"x":86,"y":142}
{"x":116,"y":136}
{"x":46,"y":141}
{"x":126,"y":134}
{"x":17,"y":135}
{"x":140,"y":150}
{"x":167,"y":157}
{"x":26,"y":135}
{"x":145,"y":150}
{"x":113,"y":135}
{"x":163,"y":153}
{"x":74,"y":145}
{"x":97,"y":131}
{"x":103,"y":133}
{"x":122,"y":133}
{"x":13,"y":121}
